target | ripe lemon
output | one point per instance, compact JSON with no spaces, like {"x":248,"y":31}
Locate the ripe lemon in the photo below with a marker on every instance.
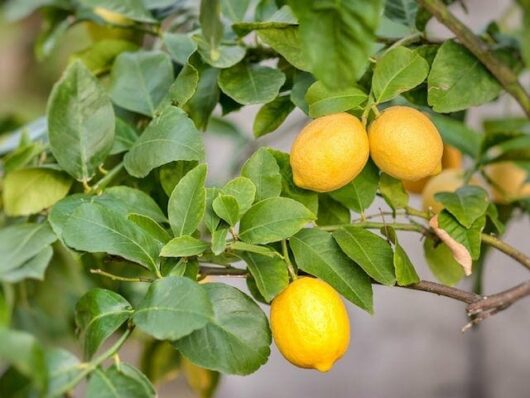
{"x":405,"y":144}
{"x":99,"y":32}
{"x":310,"y":324}
{"x":447,"y":181}
{"x":508,"y":182}
{"x":329,"y":152}
{"x":451,"y":159}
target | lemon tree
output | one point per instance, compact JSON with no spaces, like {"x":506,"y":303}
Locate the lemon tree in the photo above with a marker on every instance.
{"x":114,"y":232}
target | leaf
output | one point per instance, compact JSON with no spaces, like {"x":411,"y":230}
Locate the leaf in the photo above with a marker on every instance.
{"x":94,"y":228}
{"x":331,"y":212}
{"x":405,"y":272}
{"x":180,"y":46}
{"x":269,"y":273}
{"x":466,"y":204}
{"x":126,"y":200}
{"x":132,"y":9}
{"x":227,"y":208}
{"x":359,"y":194}
{"x":402,"y":11}
{"x":301,"y":83}
{"x":235,"y":10}
{"x":250,"y":248}
{"x":251,"y":84}
{"x":29,"y":191}
{"x":243,"y":190}
{"x":184,"y":86}
{"x":173,"y":308}
{"x":120,"y":380}
{"x":160,"y":362}
{"x":458,"y":134}
{"x":458,"y":80}
{"x":98,"y":314}
{"x":493,"y":215}
{"x":80,"y":122}
{"x":100,"y":56}
{"x":21,"y":156}
{"x":34,"y":268}
{"x":397,"y":71}
{"x":140,"y":80}
{"x":63,"y":368}
{"x":237,"y":338}
{"x":202,"y":381}
{"x":273,"y":219}
{"x":21,"y":242}
{"x":150,"y":226}
{"x":184,"y":246}
{"x":187,"y":202}
{"x":169,"y":137}
{"x":219,"y":240}
{"x":393,"y":192}
{"x":224,"y":56}
{"x":440,"y":260}
{"x":170,"y":174}
{"x":211,"y":25}
{"x":318,"y":254}
{"x":286,"y":42}
{"x":337,"y":38}
{"x":324,"y":101}
{"x":372,"y":253}
{"x":470,"y":238}
{"x":272,"y":115}
{"x":262,"y":169}
{"x":125,"y":137}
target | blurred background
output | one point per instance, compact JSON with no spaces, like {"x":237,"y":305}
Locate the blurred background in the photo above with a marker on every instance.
{"x":413,"y":345}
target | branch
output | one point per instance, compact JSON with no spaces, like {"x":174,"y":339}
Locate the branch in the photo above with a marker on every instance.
{"x":506,"y":77}
{"x":504,"y":247}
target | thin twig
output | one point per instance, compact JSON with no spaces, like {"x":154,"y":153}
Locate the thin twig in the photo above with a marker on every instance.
{"x":114,"y":277}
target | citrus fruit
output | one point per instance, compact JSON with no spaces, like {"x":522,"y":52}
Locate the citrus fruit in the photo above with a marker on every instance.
{"x":448,"y":180}
{"x":329,"y":152}
{"x":405,"y":144}
{"x":310,"y":324}
{"x":451,"y":159}
{"x":508,"y":182}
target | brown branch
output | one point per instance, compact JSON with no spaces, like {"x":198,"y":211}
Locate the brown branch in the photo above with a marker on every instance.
{"x":506,"y":77}
{"x":446,"y":291}
{"x":507,"y":249}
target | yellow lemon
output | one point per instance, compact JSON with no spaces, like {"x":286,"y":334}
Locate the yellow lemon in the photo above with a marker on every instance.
{"x":405,"y":144}
{"x":447,"y":181}
{"x":451,"y":159}
{"x":329,"y":152}
{"x":508,"y":182}
{"x":310,"y":324}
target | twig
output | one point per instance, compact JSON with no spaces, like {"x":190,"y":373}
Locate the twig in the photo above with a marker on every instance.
{"x":507,"y":249}
{"x":107,"y":179}
{"x":506,"y":77}
{"x":114,"y":277}
{"x":290,"y":266}
{"x":446,"y":291}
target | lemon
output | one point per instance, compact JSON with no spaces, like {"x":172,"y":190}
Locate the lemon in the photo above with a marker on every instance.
{"x":508,"y":182}
{"x":310,"y":324}
{"x":451,"y":159}
{"x":447,"y":181}
{"x":405,"y":144}
{"x":329,"y":152}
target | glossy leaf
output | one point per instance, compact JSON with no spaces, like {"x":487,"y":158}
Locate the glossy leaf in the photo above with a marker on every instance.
{"x":262,"y":169}
{"x":402,"y":11}
{"x":184,"y":85}
{"x":469,"y":237}
{"x":393,"y":191}
{"x":272,"y":115}
{"x":63,"y":367}
{"x":184,"y":246}
{"x":441,"y":262}
{"x":243,"y":190}
{"x":227,"y":208}
{"x":324,"y":101}
{"x":458,"y":134}
{"x":286,"y":41}
{"x":466,"y":204}
{"x":269,"y":273}
{"x":331,"y":212}
{"x":180,"y":46}
{"x":121,"y":380}
{"x":150,"y":226}
{"x":211,"y":25}
{"x":34,"y":268}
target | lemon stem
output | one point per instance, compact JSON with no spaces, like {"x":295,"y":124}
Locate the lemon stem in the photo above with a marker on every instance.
{"x":290,"y":267}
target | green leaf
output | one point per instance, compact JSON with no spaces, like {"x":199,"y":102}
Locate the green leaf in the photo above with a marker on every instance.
{"x":211,"y":25}
{"x":219,"y":240}
{"x":441,"y":262}
{"x":273,"y":219}
{"x":184,"y":86}
{"x":98,"y":314}
{"x":63,"y":368}
{"x":150,"y":226}
{"x":458,"y":80}
{"x":337,"y":38}
{"x":170,"y":174}
{"x":331,"y":212}
{"x":359,"y":194}
{"x":21,"y":156}
{"x":180,"y":46}
{"x":493,"y":215}
{"x":397,"y":71}
{"x":308,"y":198}
{"x":25,"y":353}
{"x":402,"y":11}
{"x":324,"y":101}
{"x":126,"y":200}
{"x":301,"y":83}
{"x":262,"y":169}
{"x":29,"y":191}
{"x":34,"y":268}
{"x":140,"y":80}
{"x":225,"y":55}
{"x":458,"y":134}
{"x":405,"y":272}
{"x":202,"y":381}
{"x":120,"y":380}
{"x":184,"y":246}
{"x":250,"y":248}
{"x":393,"y":192}
{"x":370,"y":251}
{"x":243,"y":190}
{"x":125,"y":137}
{"x":211,"y":220}
{"x":235,"y":10}
{"x":227,"y":208}
{"x":173,"y":308}
{"x":469,"y":237}
{"x":286,"y":42}
{"x":80,"y":122}
{"x":169,"y":137}
{"x":466,"y":204}
{"x":100,"y":56}
{"x":318,"y":254}
{"x":187,"y":202}
{"x":272,"y":115}
{"x":160,"y":361}
{"x":21,"y":242}
{"x":251,"y":84}
{"x":269,"y":273}
{"x":94,"y":228}
{"x":132,"y":9}
{"x":237,"y":338}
